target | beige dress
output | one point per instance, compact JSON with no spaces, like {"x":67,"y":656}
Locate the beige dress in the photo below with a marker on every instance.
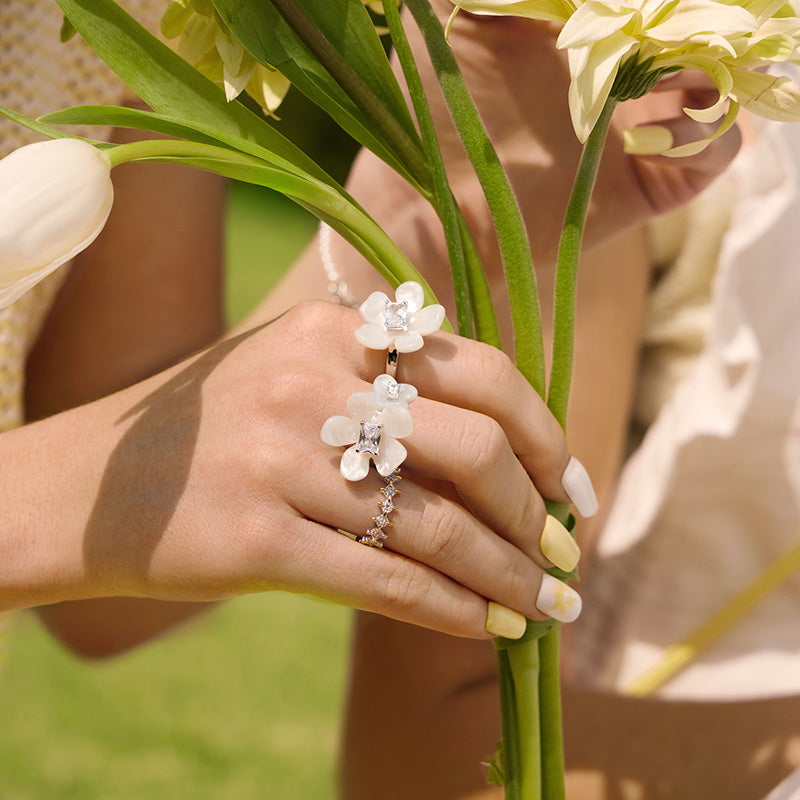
{"x":711,"y":496}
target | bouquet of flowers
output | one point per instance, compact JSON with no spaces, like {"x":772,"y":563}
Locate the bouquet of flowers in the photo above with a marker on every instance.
{"x":332,"y":52}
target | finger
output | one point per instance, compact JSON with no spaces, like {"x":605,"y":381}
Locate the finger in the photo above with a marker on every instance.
{"x":474,"y":376}
{"x":471,"y":451}
{"x":338,"y":569}
{"x":441,"y":534}
{"x":670,"y":182}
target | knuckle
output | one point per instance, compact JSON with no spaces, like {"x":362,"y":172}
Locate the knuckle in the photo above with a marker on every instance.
{"x":495,"y":368}
{"x":482,"y":447}
{"x":404,"y":587}
{"x":528,"y":514}
{"x":440,"y":534}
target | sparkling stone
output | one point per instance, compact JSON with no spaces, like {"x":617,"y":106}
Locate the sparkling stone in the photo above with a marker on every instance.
{"x":393,"y":390}
{"x":369,"y":439}
{"x":386,"y":506}
{"x":396,"y":316}
{"x":389,"y":491}
{"x":382,"y":521}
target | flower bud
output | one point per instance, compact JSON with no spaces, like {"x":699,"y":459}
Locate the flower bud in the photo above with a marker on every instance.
{"x":55,"y":197}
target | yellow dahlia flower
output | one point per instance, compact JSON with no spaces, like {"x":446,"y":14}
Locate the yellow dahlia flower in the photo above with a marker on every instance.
{"x":622,"y":47}
{"x":207,"y":43}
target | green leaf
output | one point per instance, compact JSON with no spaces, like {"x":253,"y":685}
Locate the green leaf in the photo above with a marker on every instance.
{"x":66,"y":32}
{"x":45,"y":130}
{"x":190,"y":130}
{"x":168,"y":83}
{"x":270,"y":39}
{"x":496,"y":773}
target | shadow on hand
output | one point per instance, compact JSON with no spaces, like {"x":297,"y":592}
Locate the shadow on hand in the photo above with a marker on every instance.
{"x":147,"y":473}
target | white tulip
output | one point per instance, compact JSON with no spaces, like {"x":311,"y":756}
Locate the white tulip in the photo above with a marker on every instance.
{"x":55,"y":198}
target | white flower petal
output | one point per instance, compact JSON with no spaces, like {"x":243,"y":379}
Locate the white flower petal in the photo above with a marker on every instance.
{"x":411,"y":293}
{"x":362,"y":407}
{"x":392,"y":455}
{"x":770,"y":96}
{"x":408,"y":393}
{"x":373,"y":308}
{"x":693,"y":148}
{"x":339,"y":431}
{"x":408,"y":342}
{"x":427,"y":320}
{"x":354,"y":466}
{"x":592,"y":22}
{"x":374,"y":336}
{"x":553,"y":10}
{"x":56,"y":197}
{"x":397,"y":421}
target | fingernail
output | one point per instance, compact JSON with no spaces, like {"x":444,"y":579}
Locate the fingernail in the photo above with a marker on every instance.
{"x":502,"y":621}
{"x":558,"y":546}
{"x":647,"y":140}
{"x":578,"y":485}
{"x":558,"y":600}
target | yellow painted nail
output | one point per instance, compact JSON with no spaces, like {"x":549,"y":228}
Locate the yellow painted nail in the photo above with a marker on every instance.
{"x":502,"y":621}
{"x":647,"y":140}
{"x":558,"y":546}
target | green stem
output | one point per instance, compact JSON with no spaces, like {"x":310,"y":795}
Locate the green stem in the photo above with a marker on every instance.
{"x":525,"y":670}
{"x":511,"y":744}
{"x":567,"y":266}
{"x":408,"y":151}
{"x":550,"y":717}
{"x":443,"y":201}
{"x":511,"y":232}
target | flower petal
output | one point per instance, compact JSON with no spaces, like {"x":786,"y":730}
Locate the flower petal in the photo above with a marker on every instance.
{"x":410,"y":292}
{"x":354,"y":466}
{"x":592,"y":22}
{"x":373,"y":308}
{"x":693,"y":148}
{"x":362,"y":407}
{"x":391,"y":456}
{"x":408,"y":342}
{"x":770,"y":96}
{"x":338,"y":431}
{"x":427,"y":320}
{"x":374,"y":336}
{"x":397,"y":421}
{"x":553,"y":10}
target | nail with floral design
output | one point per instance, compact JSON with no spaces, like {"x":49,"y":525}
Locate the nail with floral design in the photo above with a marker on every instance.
{"x":398,"y":324}
{"x":377,"y":420}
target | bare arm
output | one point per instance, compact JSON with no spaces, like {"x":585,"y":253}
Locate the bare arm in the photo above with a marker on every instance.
{"x":143,"y":297}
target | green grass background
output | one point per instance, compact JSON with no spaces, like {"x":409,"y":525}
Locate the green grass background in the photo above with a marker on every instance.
{"x":241,"y":704}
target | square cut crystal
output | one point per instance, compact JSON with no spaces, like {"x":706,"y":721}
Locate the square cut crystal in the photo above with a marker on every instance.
{"x":393,"y":390}
{"x":369,"y":439}
{"x":396,"y":318}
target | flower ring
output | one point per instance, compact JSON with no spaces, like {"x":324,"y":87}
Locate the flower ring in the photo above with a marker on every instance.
{"x":377,"y":420}
{"x":399,"y":324}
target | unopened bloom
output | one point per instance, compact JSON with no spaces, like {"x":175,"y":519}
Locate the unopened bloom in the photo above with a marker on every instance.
{"x":641,"y":39}
{"x":377,"y":420}
{"x":399,"y":324}
{"x":55,"y":198}
{"x":208,"y":44}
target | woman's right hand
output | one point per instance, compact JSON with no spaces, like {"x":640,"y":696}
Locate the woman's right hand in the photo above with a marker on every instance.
{"x":211,"y":480}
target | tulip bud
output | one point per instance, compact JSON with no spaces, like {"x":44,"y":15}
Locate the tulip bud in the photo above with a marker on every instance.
{"x":55,"y":197}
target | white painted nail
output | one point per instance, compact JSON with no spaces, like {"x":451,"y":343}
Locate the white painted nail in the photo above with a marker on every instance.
{"x":558,"y":600}
{"x":578,"y":485}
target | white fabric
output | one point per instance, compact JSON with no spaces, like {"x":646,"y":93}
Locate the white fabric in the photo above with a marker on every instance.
{"x":712,"y":494}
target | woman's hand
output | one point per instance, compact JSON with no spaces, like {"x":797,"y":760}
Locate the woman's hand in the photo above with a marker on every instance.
{"x":211,"y":480}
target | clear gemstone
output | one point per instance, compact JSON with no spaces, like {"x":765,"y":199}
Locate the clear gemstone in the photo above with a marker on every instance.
{"x":393,"y":390}
{"x":369,"y":439}
{"x":386,"y":506}
{"x":390,"y":490}
{"x":396,"y":317}
{"x":382,"y":521}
